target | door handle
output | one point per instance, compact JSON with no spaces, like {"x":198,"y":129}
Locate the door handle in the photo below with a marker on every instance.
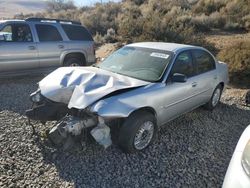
{"x":194,"y":84}
{"x":60,"y":46}
{"x":32,"y":47}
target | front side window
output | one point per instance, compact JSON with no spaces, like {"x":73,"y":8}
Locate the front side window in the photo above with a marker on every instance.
{"x":141,"y":63}
{"x":204,"y":61}
{"x":75,"y":32}
{"x":184,"y":64}
{"x":48,"y":33}
{"x":17,"y":33}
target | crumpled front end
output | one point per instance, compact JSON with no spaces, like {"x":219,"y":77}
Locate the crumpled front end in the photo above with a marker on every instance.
{"x":66,"y":96}
{"x":78,"y":87}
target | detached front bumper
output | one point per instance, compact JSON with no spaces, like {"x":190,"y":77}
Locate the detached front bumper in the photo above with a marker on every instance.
{"x":47,"y":112}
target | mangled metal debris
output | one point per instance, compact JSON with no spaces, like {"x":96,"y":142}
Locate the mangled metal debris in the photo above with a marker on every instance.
{"x":61,"y":134}
{"x":101,"y":133}
{"x":69,"y":126}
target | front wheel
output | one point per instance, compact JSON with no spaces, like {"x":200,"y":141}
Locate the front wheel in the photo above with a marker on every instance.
{"x":215,"y":99}
{"x":137,"y":132}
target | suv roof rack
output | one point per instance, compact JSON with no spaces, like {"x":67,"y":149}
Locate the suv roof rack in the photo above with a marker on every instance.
{"x":51,"y":20}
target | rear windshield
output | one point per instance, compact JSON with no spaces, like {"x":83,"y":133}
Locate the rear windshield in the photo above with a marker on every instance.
{"x":75,"y":32}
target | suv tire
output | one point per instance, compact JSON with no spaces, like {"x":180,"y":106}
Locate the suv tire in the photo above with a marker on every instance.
{"x":72,"y":62}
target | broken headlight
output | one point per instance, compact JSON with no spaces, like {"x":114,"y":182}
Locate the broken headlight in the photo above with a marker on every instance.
{"x":245,"y":160}
{"x":36,"y":96}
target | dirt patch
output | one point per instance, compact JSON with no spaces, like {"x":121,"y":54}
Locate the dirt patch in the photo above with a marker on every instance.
{"x":223,"y":39}
{"x":106,"y":49}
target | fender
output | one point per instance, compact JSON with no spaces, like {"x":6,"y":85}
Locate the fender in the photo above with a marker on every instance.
{"x":63,"y":55}
{"x":119,"y":107}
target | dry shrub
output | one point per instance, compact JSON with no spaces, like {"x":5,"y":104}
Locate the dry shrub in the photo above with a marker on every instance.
{"x":237,"y":57}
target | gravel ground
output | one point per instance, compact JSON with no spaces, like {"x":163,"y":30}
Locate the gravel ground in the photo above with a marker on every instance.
{"x":191,"y":151}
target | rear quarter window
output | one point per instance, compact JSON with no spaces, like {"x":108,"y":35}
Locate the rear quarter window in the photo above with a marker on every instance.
{"x":204,"y":61}
{"x":75,"y":32}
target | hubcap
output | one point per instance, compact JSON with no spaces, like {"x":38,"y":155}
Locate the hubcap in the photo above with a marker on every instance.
{"x":73,"y":65}
{"x":216,"y":97}
{"x":144,"y":135}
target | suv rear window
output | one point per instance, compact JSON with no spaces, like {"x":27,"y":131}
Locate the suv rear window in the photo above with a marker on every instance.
{"x":75,"y":32}
{"x":48,"y":33}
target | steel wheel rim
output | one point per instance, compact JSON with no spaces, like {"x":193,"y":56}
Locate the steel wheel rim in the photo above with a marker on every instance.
{"x":216,"y":97}
{"x":144,"y":135}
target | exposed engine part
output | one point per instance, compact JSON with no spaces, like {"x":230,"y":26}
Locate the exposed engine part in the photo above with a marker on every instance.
{"x":69,"y":126}
{"x":75,"y":125}
{"x":58,"y":134}
{"x":101,"y":133}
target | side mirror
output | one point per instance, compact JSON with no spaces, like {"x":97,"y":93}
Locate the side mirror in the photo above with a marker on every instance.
{"x":177,"y":77}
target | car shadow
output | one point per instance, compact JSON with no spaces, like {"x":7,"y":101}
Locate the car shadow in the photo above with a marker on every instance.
{"x":193,"y":150}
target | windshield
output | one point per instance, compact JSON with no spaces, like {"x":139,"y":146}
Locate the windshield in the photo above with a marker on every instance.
{"x":141,"y":63}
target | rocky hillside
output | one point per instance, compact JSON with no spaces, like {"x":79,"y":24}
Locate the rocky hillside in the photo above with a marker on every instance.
{"x":9,"y":8}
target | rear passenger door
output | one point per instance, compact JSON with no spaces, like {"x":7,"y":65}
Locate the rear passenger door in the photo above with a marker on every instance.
{"x":50,"y":44}
{"x":206,"y":75}
{"x":18,"y":51}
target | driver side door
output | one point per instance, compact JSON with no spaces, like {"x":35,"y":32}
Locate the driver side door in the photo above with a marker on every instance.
{"x":18,"y":50}
{"x":179,"y":97}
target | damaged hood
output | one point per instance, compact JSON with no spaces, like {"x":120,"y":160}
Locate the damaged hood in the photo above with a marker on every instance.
{"x":78,"y":87}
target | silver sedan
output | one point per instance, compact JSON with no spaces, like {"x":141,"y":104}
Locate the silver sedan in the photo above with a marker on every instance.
{"x":143,"y":85}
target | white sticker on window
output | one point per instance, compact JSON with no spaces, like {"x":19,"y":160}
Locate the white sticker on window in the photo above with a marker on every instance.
{"x":160,"y":55}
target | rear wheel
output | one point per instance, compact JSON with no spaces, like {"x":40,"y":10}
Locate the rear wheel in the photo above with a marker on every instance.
{"x":215,"y":99}
{"x":137,"y":132}
{"x":73,"y":62}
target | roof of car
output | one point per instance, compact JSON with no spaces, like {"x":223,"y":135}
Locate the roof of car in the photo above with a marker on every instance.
{"x":173,"y":47}
{"x":43,"y":20}
{"x":2,"y":21}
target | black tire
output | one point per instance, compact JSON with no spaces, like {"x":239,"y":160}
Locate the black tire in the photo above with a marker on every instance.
{"x":131,"y":126}
{"x":210,"y":105}
{"x":72,"y":61}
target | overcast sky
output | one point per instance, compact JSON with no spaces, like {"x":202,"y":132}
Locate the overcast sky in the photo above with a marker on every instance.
{"x":91,"y":2}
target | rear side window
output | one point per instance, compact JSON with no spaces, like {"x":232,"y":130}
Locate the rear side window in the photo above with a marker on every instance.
{"x":75,"y":32}
{"x":204,"y":61}
{"x":48,"y":33}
